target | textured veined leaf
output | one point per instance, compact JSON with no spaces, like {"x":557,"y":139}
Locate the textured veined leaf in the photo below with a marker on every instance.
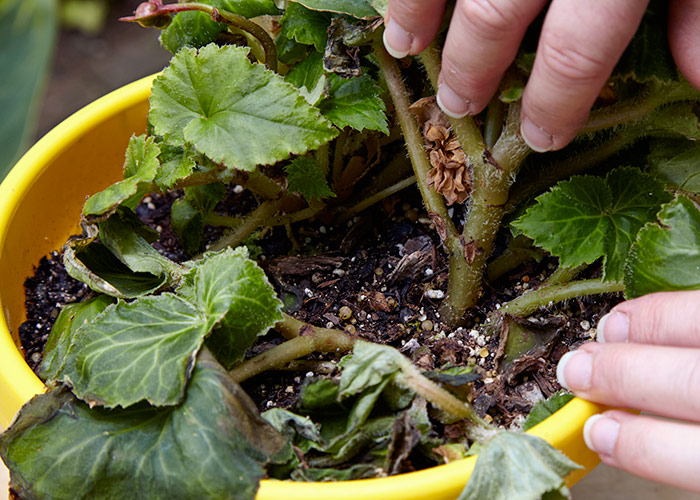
{"x":518,"y":466}
{"x":69,"y":320}
{"x":677,"y":163}
{"x":238,"y":301}
{"x":306,"y":26}
{"x":304,"y":176}
{"x":666,"y":254}
{"x":235,"y":112}
{"x":587,"y":217}
{"x":210,"y":447}
{"x":355,"y":102}
{"x":369,"y":366}
{"x":143,"y":350}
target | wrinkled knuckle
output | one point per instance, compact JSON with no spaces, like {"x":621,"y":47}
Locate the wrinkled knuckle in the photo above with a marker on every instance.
{"x":570,"y":64}
{"x":490,"y":18}
{"x":633,"y":449}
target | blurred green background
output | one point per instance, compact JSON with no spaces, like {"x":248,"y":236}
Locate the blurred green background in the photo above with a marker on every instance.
{"x":57,"y":56}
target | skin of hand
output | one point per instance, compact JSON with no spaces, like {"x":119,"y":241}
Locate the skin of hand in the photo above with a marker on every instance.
{"x":579,"y":45}
{"x":648,"y":358}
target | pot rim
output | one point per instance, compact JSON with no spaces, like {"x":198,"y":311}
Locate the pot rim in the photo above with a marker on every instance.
{"x":18,"y":383}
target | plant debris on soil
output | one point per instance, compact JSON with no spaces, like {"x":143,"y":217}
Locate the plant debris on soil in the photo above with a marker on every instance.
{"x":381,"y":278}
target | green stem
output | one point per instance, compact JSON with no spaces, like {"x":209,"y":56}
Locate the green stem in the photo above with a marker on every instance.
{"x":532,"y":300}
{"x":236,"y":21}
{"x":304,"y":339}
{"x":414,"y":139}
{"x":439,"y":397}
{"x":519,"y":251}
{"x":257,"y":218}
{"x":377,"y":197}
{"x":214,"y":219}
{"x":635,"y":109}
{"x":564,"y":274}
{"x":571,"y":165}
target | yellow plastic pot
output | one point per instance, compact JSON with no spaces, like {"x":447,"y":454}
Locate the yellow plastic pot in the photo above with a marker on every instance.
{"x":40,"y":203}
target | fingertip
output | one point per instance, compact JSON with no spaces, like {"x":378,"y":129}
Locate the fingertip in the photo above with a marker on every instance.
{"x":613,"y":327}
{"x":600,"y":433}
{"x":452,"y":104}
{"x":397,"y":40}
{"x":536,"y":137}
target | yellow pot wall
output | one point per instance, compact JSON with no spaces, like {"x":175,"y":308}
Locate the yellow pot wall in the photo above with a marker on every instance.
{"x":40,"y":202}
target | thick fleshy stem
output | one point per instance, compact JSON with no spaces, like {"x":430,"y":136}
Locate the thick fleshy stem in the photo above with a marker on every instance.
{"x":532,"y":300}
{"x":154,"y":10}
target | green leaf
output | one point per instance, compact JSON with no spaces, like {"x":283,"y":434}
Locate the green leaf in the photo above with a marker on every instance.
{"x":318,"y":394}
{"x":196,"y":29}
{"x":546,"y":408}
{"x":306,"y":26}
{"x":672,"y":121}
{"x":587,"y":217}
{"x":518,"y":466}
{"x":361,"y":9}
{"x":140,"y":168}
{"x":190,"y":29}
{"x":70,"y":319}
{"x":142,"y":350}
{"x":355,"y":102}
{"x":212,"y":446}
{"x":356,"y":471}
{"x":677,"y":163}
{"x":380,"y":6}
{"x":175,"y":164}
{"x":305,"y":177}
{"x":206,"y":196}
{"x":188,"y":224}
{"x":648,"y":56}
{"x":27,"y":39}
{"x":309,"y":78}
{"x":289,"y":424}
{"x":233,"y":111}
{"x":237,"y":298}
{"x":92,"y":263}
{"x":98,"y":268}
{"x":666,"y":254}
{"x":369,"y":366}
{"x":364,"y":405}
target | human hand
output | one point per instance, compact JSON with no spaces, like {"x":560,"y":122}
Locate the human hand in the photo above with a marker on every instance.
{"x":648,"y":358}
{"x":578,"y":48}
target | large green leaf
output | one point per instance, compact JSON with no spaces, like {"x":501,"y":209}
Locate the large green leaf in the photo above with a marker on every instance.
{"x":237,"y":299}
{"x":70,"y":319}
{"x":587,"y":217}
{"x":678,"y":163}
{"x":140,"y":168}
{"x":517,"y":466}
{"x":306,"y":26}
{"x":176,"y":163}
{"x":212,"y":446}
{"x":233,"y":111}
{"x":666,"y":254}
{"x":27,"y":35}
{"x":361,"y":9}
{"x":143,"y":350}
{"x":355,"y":102}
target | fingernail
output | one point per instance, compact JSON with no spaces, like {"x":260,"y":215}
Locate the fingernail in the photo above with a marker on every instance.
{"x":600,"y":434}
{"x":535,"y":137}
{"x":613,"y":327}
{"x":397,"y":40}
{"x":452,"y":104}
{"x":574,"y":370}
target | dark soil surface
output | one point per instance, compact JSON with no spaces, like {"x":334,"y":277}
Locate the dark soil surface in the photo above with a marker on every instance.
{"x":379,"y":277}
